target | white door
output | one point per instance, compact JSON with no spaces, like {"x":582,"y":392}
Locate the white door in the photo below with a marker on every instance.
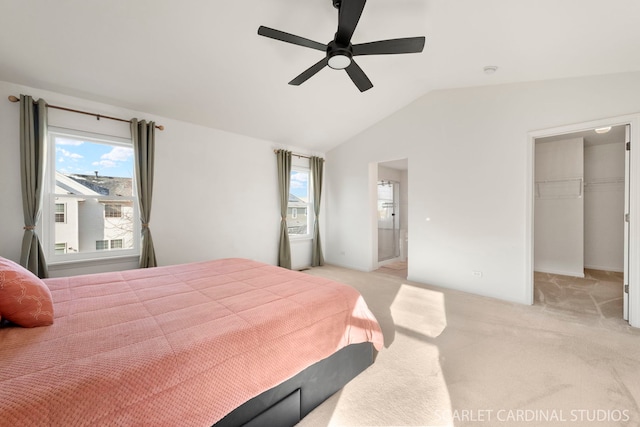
{"x":627,"y":177}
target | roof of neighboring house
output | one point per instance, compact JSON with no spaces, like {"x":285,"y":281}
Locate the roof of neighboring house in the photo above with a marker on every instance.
{"x":105,"y":185}
{"x":66,"y":185}
{"x":79,"y":184}
{"x":295,"y":199}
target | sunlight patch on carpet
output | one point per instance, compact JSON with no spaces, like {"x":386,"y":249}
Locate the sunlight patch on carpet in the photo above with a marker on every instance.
{"x":419,"y":310}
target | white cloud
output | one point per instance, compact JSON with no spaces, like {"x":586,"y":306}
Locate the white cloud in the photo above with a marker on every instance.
{"x":299,"y":180}
{"x":105,"y":163}
{"x":118,"y":154}
{"x":69,"y":154}
{"x":64,"y":141}
{"x":61,"y":159}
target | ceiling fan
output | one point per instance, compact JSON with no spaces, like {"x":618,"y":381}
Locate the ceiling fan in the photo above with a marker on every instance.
{"x":340,"y":52}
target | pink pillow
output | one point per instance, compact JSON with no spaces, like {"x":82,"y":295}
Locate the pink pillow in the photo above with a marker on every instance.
{"x":24,"y":299}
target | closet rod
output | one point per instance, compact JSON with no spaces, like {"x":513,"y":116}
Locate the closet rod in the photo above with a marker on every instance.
{"x":98,"y":116}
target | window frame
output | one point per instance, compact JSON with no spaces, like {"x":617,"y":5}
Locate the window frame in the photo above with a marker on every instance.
{"x":104,"y":242}
{"x":112,"y":241}
{"x":50,"y":199}
{"x":108,"y":213}
{"x":63,"y":213}
{"x":308,"y":205}
{"x":64,"y":249}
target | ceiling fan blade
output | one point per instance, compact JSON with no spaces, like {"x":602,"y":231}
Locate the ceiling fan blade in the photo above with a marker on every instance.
{"x":348,"y":17}
{"x":359,"y":77}
{"x":290,"y":38}
{"x":309,"y":72}
{"x":390,"y":47}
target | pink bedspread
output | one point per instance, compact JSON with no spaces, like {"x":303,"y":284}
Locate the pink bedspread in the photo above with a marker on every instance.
{"x":178,"y":345}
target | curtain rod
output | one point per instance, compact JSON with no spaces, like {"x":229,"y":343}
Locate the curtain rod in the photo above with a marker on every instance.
{"x":300,"y":156}
{"x":98,"y":116}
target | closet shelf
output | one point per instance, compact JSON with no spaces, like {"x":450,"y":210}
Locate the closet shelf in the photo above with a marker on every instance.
{"x":604,"y":184}
{"x":565,"y":188}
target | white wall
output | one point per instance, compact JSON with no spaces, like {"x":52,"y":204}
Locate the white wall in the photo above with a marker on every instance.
{"x":215,"y":193}
{"x":604,"y":206}
{"x":559,"y":207}
{"x":468,"y":150}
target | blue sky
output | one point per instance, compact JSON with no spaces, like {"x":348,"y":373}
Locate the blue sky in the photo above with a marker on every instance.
{"x":299,"y":185}
{"x":84,"y":157}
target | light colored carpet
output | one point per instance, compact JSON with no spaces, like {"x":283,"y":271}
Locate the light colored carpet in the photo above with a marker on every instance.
{"x":455,"y":359}
{"x":399,"y":265}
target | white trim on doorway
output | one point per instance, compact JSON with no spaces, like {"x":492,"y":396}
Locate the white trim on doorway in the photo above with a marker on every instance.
{"x":634,"y":204}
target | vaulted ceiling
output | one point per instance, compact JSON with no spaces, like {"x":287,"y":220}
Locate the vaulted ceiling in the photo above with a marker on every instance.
{"x":203,"y":62}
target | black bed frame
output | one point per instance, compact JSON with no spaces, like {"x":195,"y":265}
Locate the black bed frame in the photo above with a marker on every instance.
{"x":286,"y":404}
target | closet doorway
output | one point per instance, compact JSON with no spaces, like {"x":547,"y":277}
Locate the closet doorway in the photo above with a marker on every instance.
{"x":581,"y":240}
{"x":391,"y":233}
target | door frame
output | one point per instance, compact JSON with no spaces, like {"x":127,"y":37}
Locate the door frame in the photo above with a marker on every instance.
{"x":634,"y":204}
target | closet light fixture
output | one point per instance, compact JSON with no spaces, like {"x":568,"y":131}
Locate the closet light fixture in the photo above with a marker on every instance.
{"x":603,"y":130}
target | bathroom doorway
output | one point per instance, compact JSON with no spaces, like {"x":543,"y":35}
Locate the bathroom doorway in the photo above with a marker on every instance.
{"x":388,"y":220}
{"x":391,"y":232}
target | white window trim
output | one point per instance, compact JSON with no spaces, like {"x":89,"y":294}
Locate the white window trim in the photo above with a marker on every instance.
{"x":48,"y":210}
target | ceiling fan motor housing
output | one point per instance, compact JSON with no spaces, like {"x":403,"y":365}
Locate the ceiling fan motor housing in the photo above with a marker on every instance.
{"x":339,"y":56}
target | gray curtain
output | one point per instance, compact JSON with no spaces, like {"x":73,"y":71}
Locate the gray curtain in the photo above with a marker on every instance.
{"x":33,"y":154}
{"x":143,"y":135}
{"x":284,"y":178}
{"x":317,"y":165}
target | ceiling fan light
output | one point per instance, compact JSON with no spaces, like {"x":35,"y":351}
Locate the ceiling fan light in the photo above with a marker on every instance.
{"x":339,"y":62}
{"x":603,"y":130}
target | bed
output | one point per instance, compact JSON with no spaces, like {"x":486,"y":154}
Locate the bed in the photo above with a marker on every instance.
{"x":224,"y":342}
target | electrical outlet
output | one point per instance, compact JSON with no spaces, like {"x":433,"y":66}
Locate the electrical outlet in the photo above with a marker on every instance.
{"x":477,"y":273}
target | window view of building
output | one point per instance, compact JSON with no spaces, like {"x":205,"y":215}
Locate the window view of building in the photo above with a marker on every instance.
{"x":92,"y":222}
{"x":93,"y":211}
{"x":297,"y":223}
{"x":298,"y":218}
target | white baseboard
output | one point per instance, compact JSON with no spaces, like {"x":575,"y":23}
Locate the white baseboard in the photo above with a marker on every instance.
{"x":563,"y":273}
{"x":603,"y":268}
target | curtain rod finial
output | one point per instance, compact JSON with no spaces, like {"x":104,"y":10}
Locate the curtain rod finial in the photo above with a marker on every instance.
{"x":13,"y":98}
{"x":160,"y":127}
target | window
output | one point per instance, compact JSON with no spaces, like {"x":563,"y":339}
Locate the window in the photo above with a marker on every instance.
{"x":298,"y":218}
{"x":61,"y":248}
{"x":112,"y":211}
{"x":103,"y":245}
{"x":90,"y":197}
{"x":61,"y":210}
